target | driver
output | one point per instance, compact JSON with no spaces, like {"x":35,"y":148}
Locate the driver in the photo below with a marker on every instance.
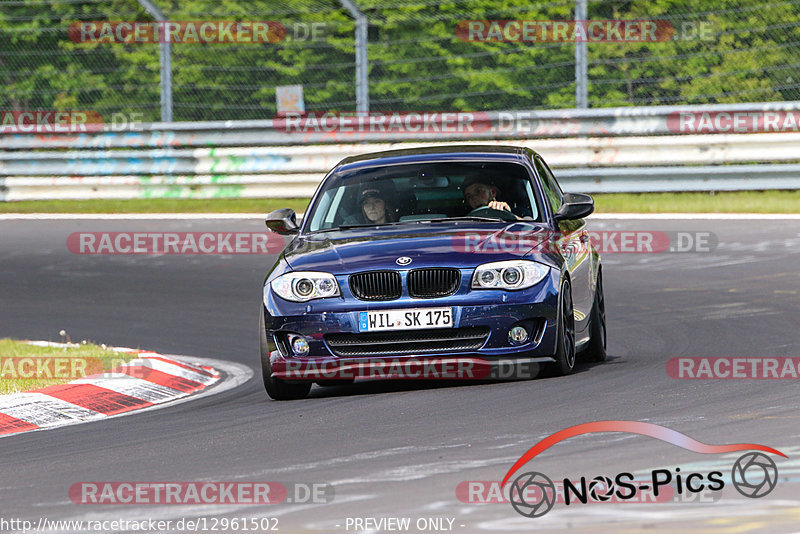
{"x":479,"y":194}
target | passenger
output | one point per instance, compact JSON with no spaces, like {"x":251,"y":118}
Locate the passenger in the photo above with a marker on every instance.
{"x":374,"y":209}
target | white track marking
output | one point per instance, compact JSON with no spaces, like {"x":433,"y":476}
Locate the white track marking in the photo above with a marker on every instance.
{"x":43,"y":410}
{"x":235,"y":375}
{"x":134,"y":387}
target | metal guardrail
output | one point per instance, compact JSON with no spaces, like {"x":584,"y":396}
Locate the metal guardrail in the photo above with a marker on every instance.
{"x":597,"y":180}
{"x":665,"y":179}
{"x":520,"y":124}
{"x":559,"y":153}
{"x":603,"y":150}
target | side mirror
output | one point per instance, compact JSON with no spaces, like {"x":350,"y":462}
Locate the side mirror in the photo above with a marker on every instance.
{"x":282,"y":221}
{"x":575,"y":206}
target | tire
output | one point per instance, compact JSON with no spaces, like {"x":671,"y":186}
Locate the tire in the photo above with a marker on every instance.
{"x":565,"y":345}
{"x":596,"y":350}
{"x":276,"y":388}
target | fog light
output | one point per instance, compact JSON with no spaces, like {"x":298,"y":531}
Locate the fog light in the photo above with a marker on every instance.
{"x":518,"y":335}
{"x":299,"y":345}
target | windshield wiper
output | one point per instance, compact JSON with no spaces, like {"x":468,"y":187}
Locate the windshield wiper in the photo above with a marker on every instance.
{"x":349,"y":226}
{"x":415,"y":221}
{"x":466,"y":218}
{"x":337,"y":228}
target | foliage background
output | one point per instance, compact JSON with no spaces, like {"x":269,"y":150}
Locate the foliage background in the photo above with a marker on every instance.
{"x":416,"y":60}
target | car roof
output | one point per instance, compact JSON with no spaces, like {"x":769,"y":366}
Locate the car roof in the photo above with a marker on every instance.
{"x":436,"y":153}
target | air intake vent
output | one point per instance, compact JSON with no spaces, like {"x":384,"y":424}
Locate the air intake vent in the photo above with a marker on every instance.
{"x":409,"y":342}
{"x":432,"y":283}
{"x":376,"y":285}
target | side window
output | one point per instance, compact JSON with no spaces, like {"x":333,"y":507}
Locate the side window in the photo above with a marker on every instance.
{"x":532,"y":200}
{"x":327,"y":209}
{"x":551,"y":189}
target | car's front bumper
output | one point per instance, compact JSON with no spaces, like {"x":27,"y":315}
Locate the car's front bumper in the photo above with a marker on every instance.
{"x":331,"y":328}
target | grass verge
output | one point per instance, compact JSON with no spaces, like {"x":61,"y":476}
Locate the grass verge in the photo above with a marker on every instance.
{"x":725,"y":202}
{"x":24,"y":367}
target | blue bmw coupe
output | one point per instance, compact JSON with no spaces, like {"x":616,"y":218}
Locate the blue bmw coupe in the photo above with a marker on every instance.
{"x":408,"y":261}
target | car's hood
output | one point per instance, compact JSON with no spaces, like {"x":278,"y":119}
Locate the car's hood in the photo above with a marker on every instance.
{"x":458,"y":244}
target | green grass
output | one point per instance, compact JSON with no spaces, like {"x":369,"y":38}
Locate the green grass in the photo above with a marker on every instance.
{"x":63,"y":363}
{"x":727,"y":202}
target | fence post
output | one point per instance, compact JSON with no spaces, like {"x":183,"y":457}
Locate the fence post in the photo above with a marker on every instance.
{"x":164,"y":59}
{"x":362,"y":63}
{"x":581,"y":67}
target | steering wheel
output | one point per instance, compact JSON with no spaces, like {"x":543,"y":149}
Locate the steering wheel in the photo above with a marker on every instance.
{"x":486,"y":211}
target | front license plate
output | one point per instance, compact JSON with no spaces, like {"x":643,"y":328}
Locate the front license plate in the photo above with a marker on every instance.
{"x":408,"y":319}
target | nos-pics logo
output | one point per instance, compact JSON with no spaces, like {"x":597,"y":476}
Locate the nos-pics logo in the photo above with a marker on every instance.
{"x":533,"y":494}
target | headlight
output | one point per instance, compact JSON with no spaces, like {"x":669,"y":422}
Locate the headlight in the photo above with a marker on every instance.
{"x":305,"y":285}
{"x":511,"y":274}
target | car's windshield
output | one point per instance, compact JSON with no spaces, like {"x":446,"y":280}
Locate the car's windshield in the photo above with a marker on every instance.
{"x":424,"y":192}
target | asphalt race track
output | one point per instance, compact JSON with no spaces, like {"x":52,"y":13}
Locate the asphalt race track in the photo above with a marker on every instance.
{"x":401,"y":449}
